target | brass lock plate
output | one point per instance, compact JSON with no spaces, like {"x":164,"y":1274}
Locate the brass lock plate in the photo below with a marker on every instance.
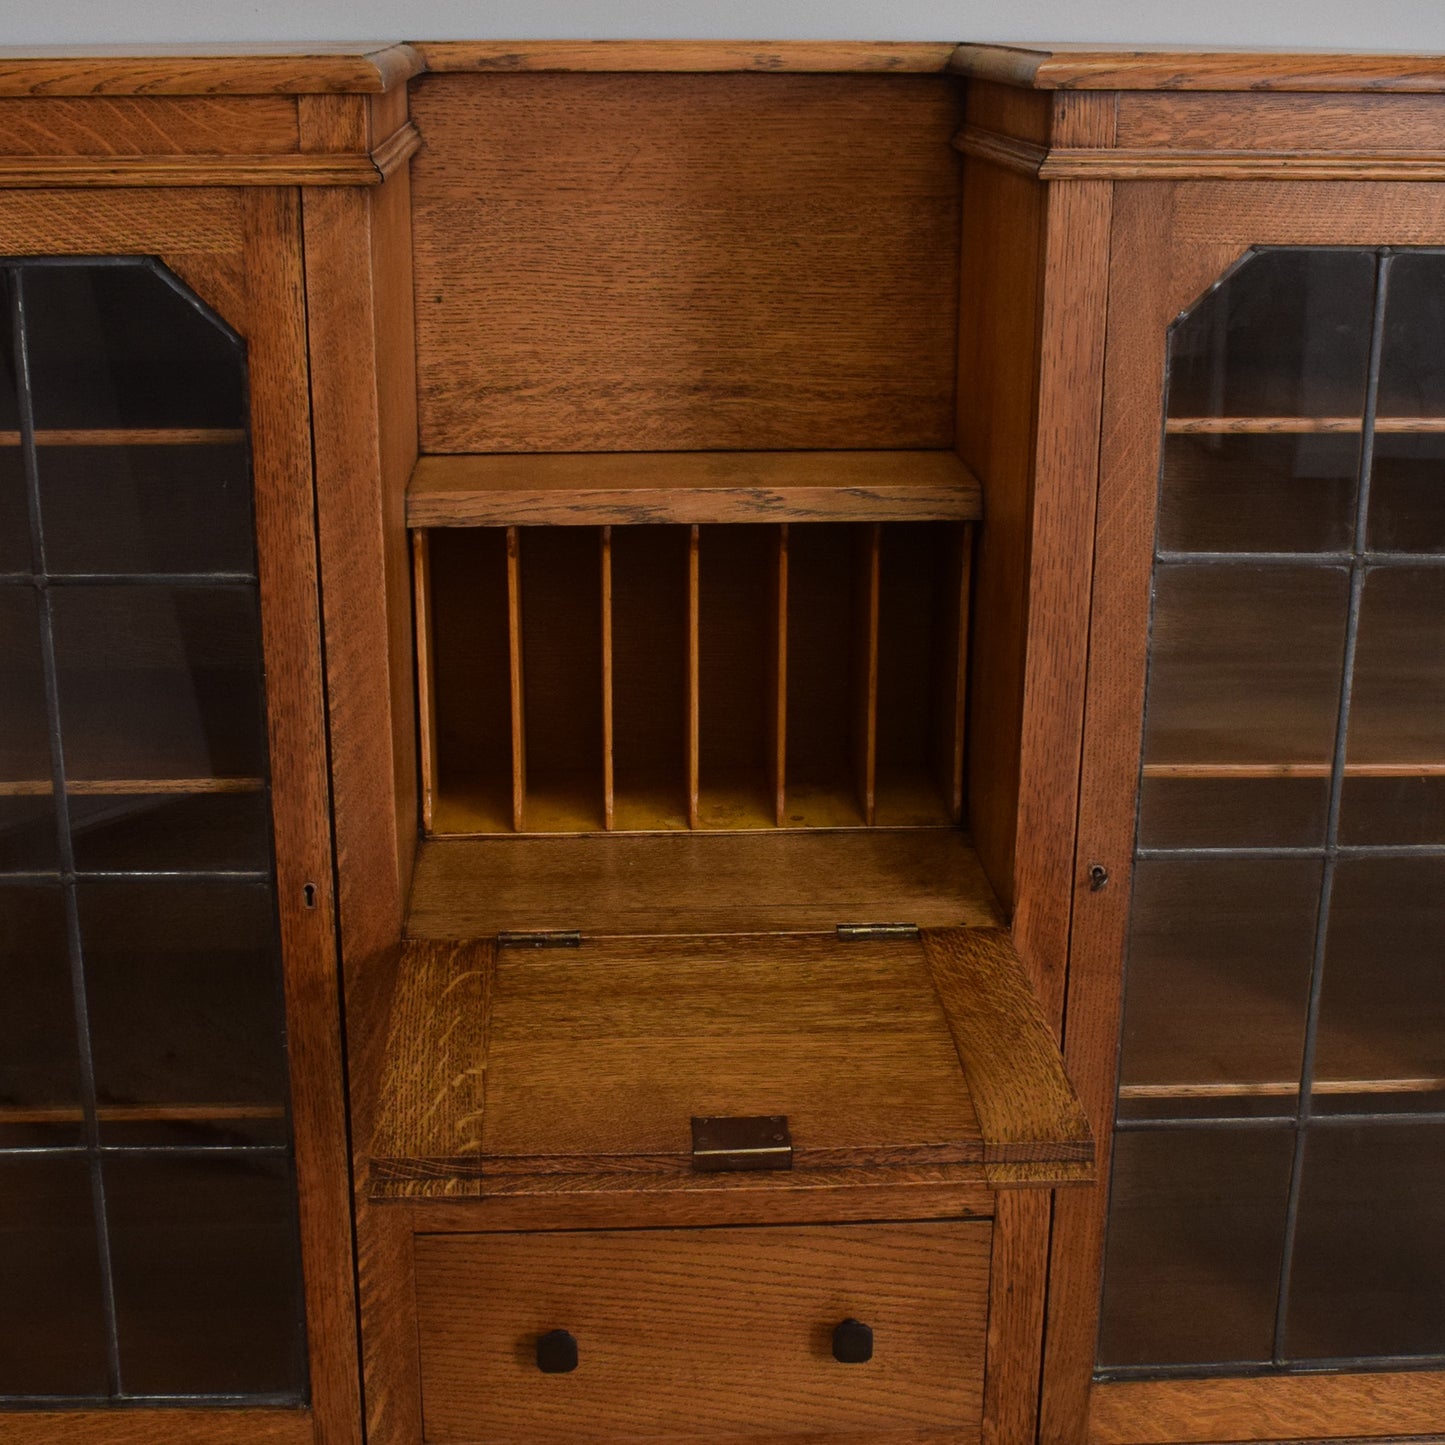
{"x":722,"y":1142}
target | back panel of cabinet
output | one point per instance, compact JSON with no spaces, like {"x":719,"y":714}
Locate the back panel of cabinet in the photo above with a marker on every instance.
{"x":633,"y":263}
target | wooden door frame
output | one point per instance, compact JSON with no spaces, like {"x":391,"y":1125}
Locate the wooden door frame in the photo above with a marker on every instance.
{"x":241,"y":251}
{"x":1170,"y":242}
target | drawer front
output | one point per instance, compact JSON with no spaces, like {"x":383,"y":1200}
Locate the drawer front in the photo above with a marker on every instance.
{"x":704,"y":1334}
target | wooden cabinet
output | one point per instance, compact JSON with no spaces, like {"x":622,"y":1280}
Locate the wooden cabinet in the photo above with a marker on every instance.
{"x":741,"y":743}
{"x":176,"y":1245}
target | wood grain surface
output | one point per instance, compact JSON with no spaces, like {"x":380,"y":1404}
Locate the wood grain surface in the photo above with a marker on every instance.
{"x":699,"y":883}
{"x":149,"y":125}
{"x":754,"y":1310}
{"x":520,"y":1063}
{"x":286,"y":548}
{"x":145,"y":1427}
{"x":242,"y":69}
{"x":1280,"y":122}
{"x":1026,"y":1106}
{"x":999,"y":317}
{"x":772,"y":57}
{"x":609,"y":263}
{"x":1139,"y":313}
{"x":618,"y":1201}
{"x":1176,"y":68}
{"x":1307,"y":1407}
{"x":624,"y":488}
{"x":434,"y":1086}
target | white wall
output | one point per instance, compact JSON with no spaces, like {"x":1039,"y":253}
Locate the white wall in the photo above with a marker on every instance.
{"x":1307,"y":24}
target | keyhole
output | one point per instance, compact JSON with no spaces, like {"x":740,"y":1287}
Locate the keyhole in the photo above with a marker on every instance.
{"x":309,"y":894}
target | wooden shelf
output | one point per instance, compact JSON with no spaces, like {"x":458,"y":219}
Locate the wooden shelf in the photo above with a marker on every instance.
{"x":126,"y":787}
{"x":131,"y":437}
{"x":604,"y":488}
{"x":1293,"y":770}
{"x":141,"y":1113}
{"x":1299,"y":425}
{"x":699,"y":883}
{"x":1278,"y":1088}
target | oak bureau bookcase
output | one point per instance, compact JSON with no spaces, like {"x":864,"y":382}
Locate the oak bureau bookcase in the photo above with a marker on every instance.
{"x":718,"y":742}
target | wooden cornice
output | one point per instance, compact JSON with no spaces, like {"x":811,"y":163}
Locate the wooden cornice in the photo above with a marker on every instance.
{"x":890,"y":57}
{"x":207,"y":70}
{"x":1064,"y":163}
{"x":289,"y":168}
{"x":1094,"y":67}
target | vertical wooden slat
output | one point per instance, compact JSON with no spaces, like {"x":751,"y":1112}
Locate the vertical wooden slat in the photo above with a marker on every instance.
{"x":694,"y":674}
{"x":425,"y":672}
{"x":514,"y":648}
{"x":865,"y":743}
{"x":951,"y":720}
{"x":778,"y":712}
{"x":609,"y":790}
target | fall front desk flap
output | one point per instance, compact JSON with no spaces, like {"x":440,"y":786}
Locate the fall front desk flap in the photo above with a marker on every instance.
{"x":868,"y":1054}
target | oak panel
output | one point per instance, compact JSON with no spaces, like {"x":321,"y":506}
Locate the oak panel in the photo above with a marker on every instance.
{"x":685,"y":262}
{"x":756,"y":1307}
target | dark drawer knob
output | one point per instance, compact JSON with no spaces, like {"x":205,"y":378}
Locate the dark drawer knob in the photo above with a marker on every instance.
{"x":852,"y":1343}
{"x":556,"y":1353}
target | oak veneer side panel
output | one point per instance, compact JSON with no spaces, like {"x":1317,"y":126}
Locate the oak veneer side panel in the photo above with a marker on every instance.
{"x":1026,"y":1106}
{"x":685,"y":262}
{"x":144,"y":1427}
{"x":1305,"y":1407}
{"x":892,"y":57}
{"x":287,"y":571}
{"x":433,"y":1090}
{"x":998,"y":338}
{"x":1140,"y":309}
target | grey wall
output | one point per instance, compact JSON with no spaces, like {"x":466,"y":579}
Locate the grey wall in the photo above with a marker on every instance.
{"x":1305,"y":24}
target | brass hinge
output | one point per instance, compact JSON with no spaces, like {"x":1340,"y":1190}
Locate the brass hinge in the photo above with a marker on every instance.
{"x":542,"y":938}
{"x":723,"y":1142}
{"x":861,"y":932}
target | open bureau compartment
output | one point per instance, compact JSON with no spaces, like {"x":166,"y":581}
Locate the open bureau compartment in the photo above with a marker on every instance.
{"x":697,"y":933}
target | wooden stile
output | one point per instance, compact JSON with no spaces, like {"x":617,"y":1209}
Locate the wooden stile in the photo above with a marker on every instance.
{"x":694,"y":673}
{"x":609,"y":789}
{"x":514,"y":642}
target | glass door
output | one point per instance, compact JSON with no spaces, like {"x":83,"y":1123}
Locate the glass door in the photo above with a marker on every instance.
{"x":1278,"y":1190}
{"x":148,"y":1235}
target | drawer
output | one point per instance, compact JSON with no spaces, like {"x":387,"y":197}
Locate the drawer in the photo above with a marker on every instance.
{"x":704,"y":1334}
